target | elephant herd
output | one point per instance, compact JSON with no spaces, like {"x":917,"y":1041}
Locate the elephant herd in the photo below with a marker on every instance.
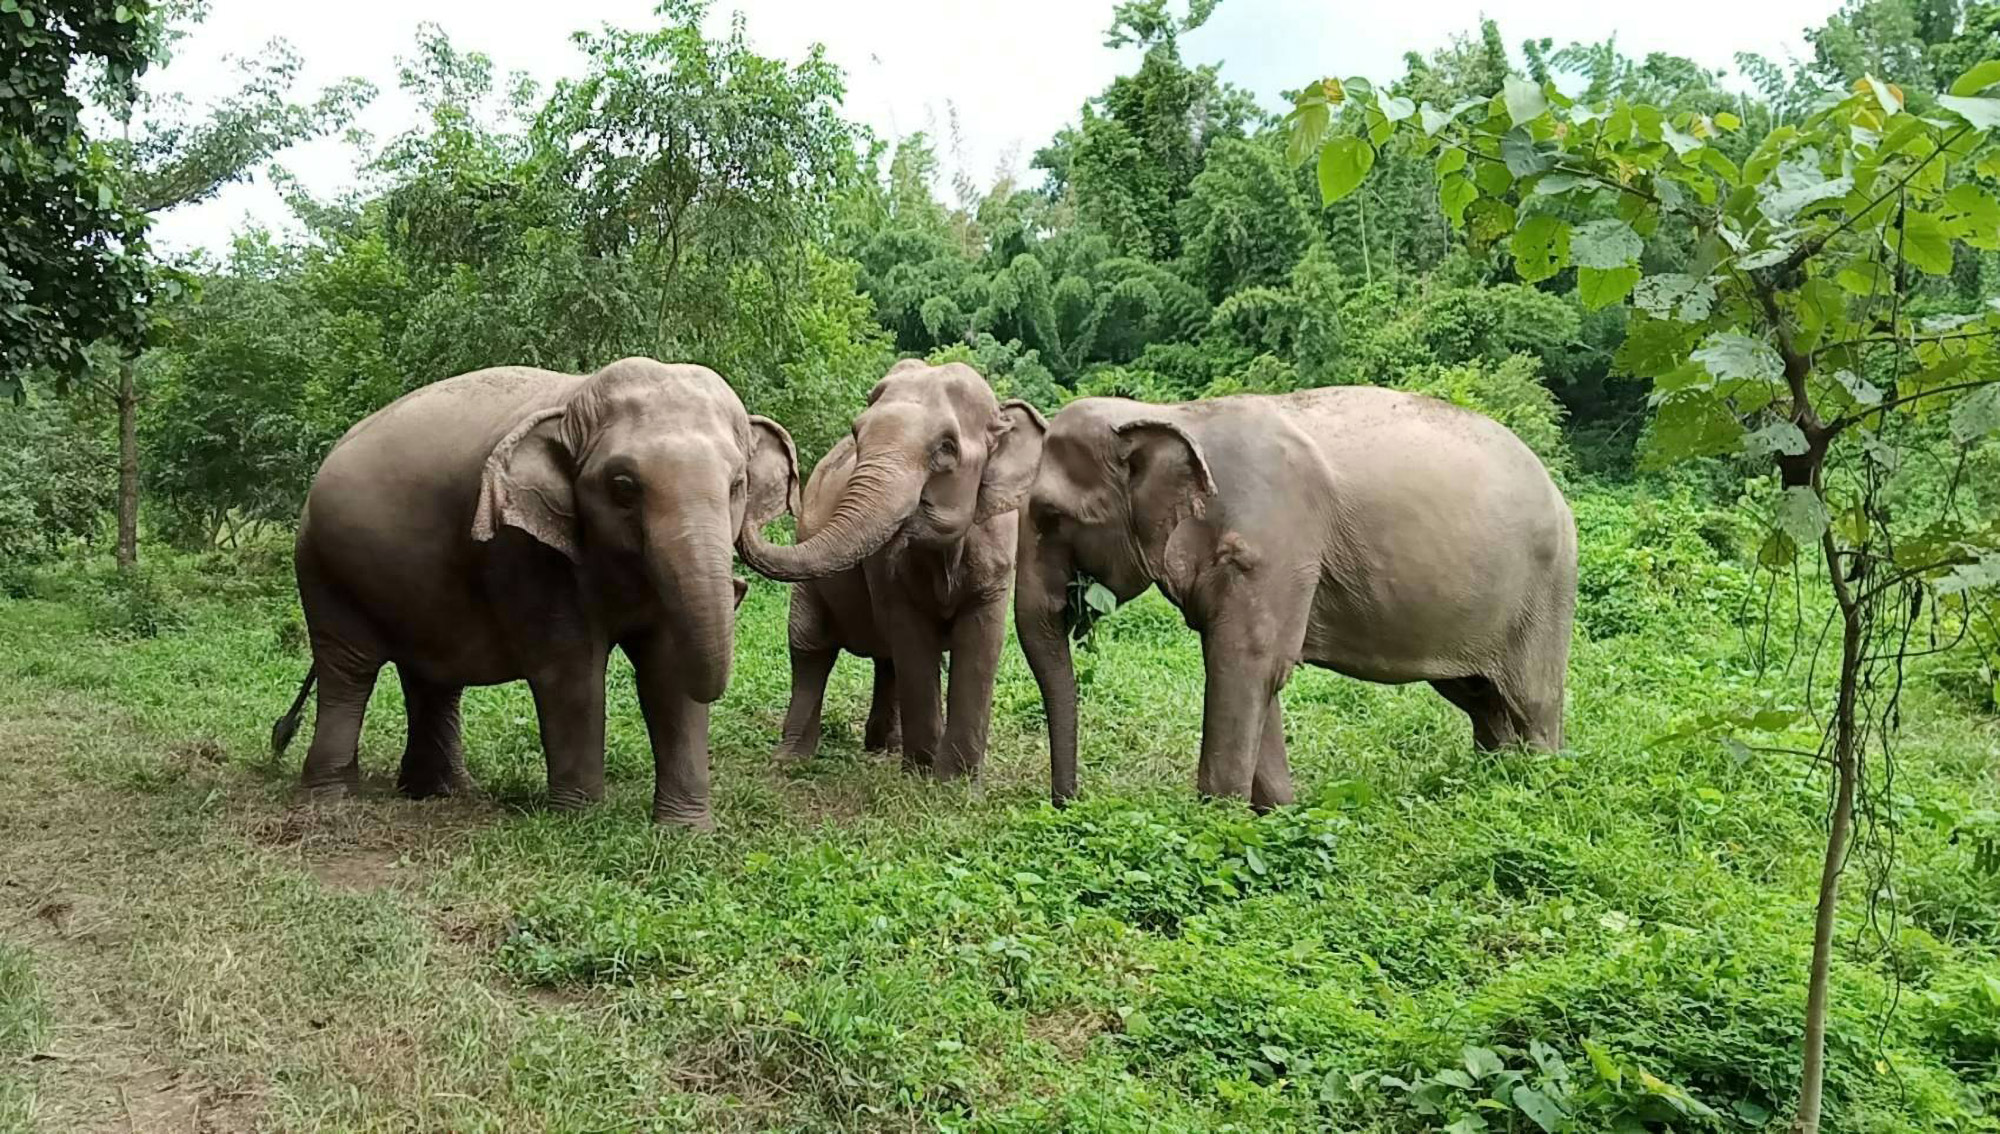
{"x":516,"y":523}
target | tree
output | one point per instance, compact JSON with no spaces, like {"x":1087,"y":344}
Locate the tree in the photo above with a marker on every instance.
{"x":693,"y":155}
{"x":1808,"y":338}
{"x":180,"y":156}
{"x":72,"y":246}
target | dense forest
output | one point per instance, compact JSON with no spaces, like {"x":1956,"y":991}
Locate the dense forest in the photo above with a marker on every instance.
{"x":1777,"y":425}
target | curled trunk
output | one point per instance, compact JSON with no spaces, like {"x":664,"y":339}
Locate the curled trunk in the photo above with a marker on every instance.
{"x":880,"y":494}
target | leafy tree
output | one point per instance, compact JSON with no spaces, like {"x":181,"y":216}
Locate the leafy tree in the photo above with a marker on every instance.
{"x":72,"y":248}
{"x":1803,"y":340}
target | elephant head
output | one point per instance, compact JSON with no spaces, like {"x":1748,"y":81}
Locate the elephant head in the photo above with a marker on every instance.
{"x":934,"y":454}
{"x":1116,"y":479}
{"x":648,"y":470}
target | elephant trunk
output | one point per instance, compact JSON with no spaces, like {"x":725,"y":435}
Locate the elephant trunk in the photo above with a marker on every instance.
{"x":882,"y":493}
{"x":1040,"y":600}
{"x":688,"y":565}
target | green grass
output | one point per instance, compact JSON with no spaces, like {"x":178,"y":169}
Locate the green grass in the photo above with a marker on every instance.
{"x":855,"y":949}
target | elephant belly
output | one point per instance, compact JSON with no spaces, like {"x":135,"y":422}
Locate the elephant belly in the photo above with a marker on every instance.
{"x":1400,"y":629}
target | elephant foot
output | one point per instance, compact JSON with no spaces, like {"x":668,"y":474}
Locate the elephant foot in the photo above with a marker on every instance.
{"x":332,"y":788}
{"x":567,"y":798}
{"x":786,"y":755}
{"x":684,"y":816}
{"x":433,"y":786}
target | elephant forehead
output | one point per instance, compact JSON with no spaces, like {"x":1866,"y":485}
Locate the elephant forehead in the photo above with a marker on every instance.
{"x":954,"y":386}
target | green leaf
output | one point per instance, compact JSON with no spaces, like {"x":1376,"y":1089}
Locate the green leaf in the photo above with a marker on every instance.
{"x":1777,"y":437}
{"x":1524,"y":98}
{"x":1517,"y":150}
{"x":1981,"y":76}
{"x":1976,"y":414}
{"x":1971,"y":576}
{"x":1969,"y":213}
{"x":1732,"y":355}
{"x":1652,"y":347}
{"x":1980,"y":113}
{"x":1451,"y":159}
{"x":1310,"y":122}
{"x":1100,"y":599}
{"x":1922,"y":242}
{"x":1540,"y":247}
{"x":1696,"y":424}
{"x":1454,"y":194}
{"x":1786,"y":203}
{"x":1599,"y":288}
{"x":1395,"y":108}
{"x":1601,"y":1061}
{"x":1452,"y":1076}
{"x":1539,"y":1108}
{"x":1487,"y":220}
{"x":1482,"y":1062}
{"x":1802,"y":516}
{"x":1864,"y":392}
{"x":1343,"y":163}
{"x":1434,"y":119}
{"x":1674,"y":295}
{"x":1605,"y":243}
{"x":1682,"y":144}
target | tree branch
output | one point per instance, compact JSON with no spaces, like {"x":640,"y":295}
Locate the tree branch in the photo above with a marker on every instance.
{"x":1846,"y":420}
{"x":1812,"y":247}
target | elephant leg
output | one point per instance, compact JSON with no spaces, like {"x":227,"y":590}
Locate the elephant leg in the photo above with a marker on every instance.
{"x":678,"y":726}
{"x":810,"y":670}
{"x":976,"y":638}
{"x":1242,"y":681}
{"x":885,"y":725}
{"x":1272,"y":786}
{"x":1492,"y":725}
{"x":569,"y":703}
{"x":333,"y":762}
{"x":1532,"y":689}
{"x":919,"y":653}
{"x":433,"y":757}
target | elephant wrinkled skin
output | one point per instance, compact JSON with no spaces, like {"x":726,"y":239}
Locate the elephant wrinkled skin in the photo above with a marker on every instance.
{"x":1383,"y":535}
{"x":906,"y":550}
{"x":517,"y":523}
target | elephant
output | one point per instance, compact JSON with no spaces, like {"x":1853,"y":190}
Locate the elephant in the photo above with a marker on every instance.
{"x":906,"y":552}
{"x":1384,"y":535}
{"x":516,"y":523}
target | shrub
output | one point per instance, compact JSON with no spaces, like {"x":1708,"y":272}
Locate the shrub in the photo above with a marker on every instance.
{"x":1510,"y":392}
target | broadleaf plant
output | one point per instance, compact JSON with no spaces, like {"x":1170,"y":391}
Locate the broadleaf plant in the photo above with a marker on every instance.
{"x":1798,"y":335}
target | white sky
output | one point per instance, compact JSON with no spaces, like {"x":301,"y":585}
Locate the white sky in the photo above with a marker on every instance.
{"x":1016,"y":70}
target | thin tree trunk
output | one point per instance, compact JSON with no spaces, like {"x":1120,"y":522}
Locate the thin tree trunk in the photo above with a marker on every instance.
{"x":1813,"y":1074}
{"x":1367,"y":268}
{"x":128,"y":468}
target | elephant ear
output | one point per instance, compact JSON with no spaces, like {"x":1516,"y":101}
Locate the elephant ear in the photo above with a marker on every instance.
{"x":527,"y":485}
{"x":773,"y":473}
{"x":1015,"y":452}
{"x":1167,"y":477}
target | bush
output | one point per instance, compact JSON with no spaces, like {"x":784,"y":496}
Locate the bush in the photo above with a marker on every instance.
{"x":1647,"y":561}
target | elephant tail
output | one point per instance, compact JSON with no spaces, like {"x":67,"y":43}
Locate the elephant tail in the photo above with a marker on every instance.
{"x":287,"y":726}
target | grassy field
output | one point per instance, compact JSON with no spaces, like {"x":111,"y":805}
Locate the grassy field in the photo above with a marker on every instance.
{"x":1619,"y":933}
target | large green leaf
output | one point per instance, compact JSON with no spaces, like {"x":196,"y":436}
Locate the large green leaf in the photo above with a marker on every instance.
{"x":1969,"y":213}
{"x":1981,"y":76}
{"x":1518,"y":151}
{"x":1608,"y":243}
{"x":1601,"y":287}
{"x":1454,"y":194}
{"x":1692,"y":424}
{"x":1343,"y":162}
{"x":1541,"y":1109}
{"x":1801,"y":515}
{"x":1540,"y":247}
{"x":1734,"y":356}
{"x":1922,"y":242}
{"x":1674,"y":295}
{"x":1980,"y":113}
{"x":1976,"y":414}
{"x":1524,"y":98}
{"x":1488,"y":219}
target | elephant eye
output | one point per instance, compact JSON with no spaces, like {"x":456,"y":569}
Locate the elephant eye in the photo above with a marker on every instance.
{"x":947,"y":452}
{"x":624,"y":490}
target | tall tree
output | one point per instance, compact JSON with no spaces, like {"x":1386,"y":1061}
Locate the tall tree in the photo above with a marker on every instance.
{"x":171,"y":154}
{"x":72,"y":247}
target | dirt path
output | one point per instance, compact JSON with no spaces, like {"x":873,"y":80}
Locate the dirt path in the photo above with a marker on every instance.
{"x":172,"y":929}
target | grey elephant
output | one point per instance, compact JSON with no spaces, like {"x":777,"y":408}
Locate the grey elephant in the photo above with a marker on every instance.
{"x":906,"y":547}
{"x":517,"y":523}
{"x":1383,"y":535}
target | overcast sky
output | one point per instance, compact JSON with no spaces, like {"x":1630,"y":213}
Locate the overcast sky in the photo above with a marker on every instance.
{"x":1016,"y":70}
